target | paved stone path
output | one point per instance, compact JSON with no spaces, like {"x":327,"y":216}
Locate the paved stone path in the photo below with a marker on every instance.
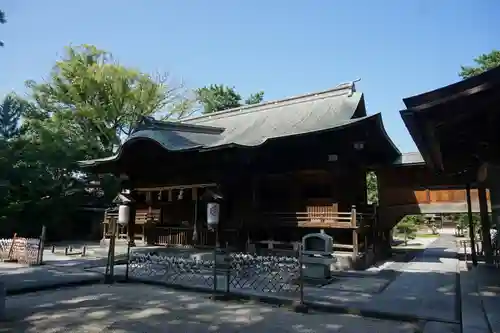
{"x":425,"y":287}
{"x":140,"y":308}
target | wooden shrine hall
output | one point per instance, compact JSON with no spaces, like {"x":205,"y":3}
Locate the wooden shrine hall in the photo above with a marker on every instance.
{"x":279,"y":169}
{"x":287,"y":168}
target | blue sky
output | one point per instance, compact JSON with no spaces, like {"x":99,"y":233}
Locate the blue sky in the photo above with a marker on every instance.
{"x":398,"y":48}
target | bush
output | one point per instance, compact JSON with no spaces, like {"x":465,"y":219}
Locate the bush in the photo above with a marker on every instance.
{"x":462,"y":223}
{"x":408,"y":227}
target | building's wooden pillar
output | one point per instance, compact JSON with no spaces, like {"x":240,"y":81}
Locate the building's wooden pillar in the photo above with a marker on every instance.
{"x":355,"y":238}
{"x":472,"y":232}
{"x":485,"y":224}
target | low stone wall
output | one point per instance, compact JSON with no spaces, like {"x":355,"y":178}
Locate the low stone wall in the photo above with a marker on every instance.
{"x":24,"y":250}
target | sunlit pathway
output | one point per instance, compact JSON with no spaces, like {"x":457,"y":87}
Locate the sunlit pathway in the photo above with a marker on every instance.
{"x":140,"y":308}
{"x":427,"y":286}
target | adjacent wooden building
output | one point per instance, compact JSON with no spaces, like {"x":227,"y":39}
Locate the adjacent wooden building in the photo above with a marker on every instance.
{"x":456,"y":130}
{"x":279,"y":169}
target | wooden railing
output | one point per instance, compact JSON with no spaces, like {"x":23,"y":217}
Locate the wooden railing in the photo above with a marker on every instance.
{"x":321,"y":219}
{"x":141,"y":218}
{"x":178,"y":236}
{"x":183,"y":236}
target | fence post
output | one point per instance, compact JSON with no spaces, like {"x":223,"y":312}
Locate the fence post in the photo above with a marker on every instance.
{"x":3,"y":293}
{"x":110,"y":267}
{"x":215,"y":270}
{"x":227,"y":264}
{"x":41,"y":245}
{"x":11,"y":250}
{"x":301,"y":307}
{"x":128,"y":261}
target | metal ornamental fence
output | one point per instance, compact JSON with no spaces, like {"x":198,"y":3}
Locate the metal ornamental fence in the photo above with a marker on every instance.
{"x":224,"y":272}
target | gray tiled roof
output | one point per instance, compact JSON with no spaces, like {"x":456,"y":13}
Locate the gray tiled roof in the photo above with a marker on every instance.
{"x":253,"y":125}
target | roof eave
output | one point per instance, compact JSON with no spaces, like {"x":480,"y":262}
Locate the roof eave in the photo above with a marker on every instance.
{"x":416,"y":129}
{"x":468,"y":86}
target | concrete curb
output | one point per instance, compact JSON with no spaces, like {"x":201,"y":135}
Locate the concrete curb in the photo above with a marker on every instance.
{"x":52,"y":286}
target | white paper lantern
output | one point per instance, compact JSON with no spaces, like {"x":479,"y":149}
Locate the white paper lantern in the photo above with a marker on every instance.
{"x":123,"y":214}
{"x":213,"y":209}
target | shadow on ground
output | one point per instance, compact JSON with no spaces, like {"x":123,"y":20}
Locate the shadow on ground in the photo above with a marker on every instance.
{"x":139,"y":308}
{"x":18,"y":278}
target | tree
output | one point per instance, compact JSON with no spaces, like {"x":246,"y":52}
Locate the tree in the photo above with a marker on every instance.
{"x":483,"y":63}
{"x":408,"y":226}
{"x":11,"y":110}
{"x":256,"y":98}
{"x":81,"y":111}
{"x":100,"y":100}
{"x":220,"y":97}
{"x":462,"y":222}
{"x":3,"y":20}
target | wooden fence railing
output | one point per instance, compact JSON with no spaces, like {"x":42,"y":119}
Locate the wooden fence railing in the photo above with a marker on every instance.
{"x":321,"y":218}
{"x":183,"y":236}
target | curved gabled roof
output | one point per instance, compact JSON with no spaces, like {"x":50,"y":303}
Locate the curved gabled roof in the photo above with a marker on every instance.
{"x":253,"y":125}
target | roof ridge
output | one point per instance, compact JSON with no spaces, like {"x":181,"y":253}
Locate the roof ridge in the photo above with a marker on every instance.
{"x":350,"y":88}
{"x":150,"y":123}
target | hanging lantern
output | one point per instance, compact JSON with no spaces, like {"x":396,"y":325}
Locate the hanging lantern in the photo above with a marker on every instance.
{"x":213,"y":210}
{"x":123,"y":214}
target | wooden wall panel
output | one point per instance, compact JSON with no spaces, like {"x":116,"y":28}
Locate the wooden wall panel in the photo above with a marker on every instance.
{"x":447,"y":196}
{"x":407,"y":196}
{"x":422,"y":196}
{"x":417,"y":185}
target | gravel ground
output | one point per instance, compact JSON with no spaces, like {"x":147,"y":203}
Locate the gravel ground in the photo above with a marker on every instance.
{"x":148,"y":309}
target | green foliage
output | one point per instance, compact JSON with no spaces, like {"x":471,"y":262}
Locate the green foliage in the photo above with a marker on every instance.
{"x":408,"y":226}
{"x":81,"y":111}
{"x":10,"y":113}
{"x":371,"y":187}
{"x":462,"y":222}
{"x":255,"y":98}
{"x":99,"y":100}
{"x":483,"y":63}
{"x":220,"y":97}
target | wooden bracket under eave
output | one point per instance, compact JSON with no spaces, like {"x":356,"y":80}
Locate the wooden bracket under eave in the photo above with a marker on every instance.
{"x":194,"y":194}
